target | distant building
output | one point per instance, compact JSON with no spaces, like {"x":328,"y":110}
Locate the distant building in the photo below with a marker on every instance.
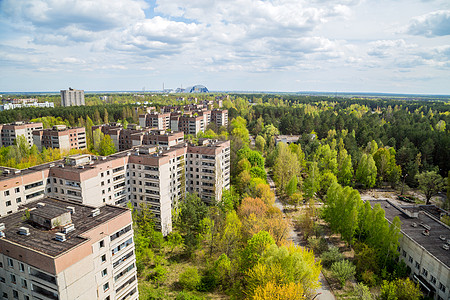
{"x":9,"y":132}
{"x":67,"y":250}
{"x":219,"y":117}
{"x":12,"y":105}
{"x":424,"y":245}
{"x":60,"y":137}
{"x":287,"y":139}
{"x":194,"y":89}
{"x":155,"y":120}
{"x":72,"y":97}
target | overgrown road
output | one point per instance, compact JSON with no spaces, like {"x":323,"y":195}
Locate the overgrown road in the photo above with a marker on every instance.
{"x":324,"y":291}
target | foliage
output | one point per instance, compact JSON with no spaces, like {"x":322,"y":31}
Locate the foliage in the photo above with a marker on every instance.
{"x":190,"y":279}
{"x":363,"y":292}
{"x":366,"y":173}
{"x":158,"y":275}
{"x":400,"y":289}
{"x":343,"y":270}
{"x":272,"y":290}
{"x":331,"y":256}
{"x":430,"y":183}
{"x":286,"y":165}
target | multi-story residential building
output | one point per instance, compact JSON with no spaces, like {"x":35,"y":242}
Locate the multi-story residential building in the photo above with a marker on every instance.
{"x":159,"y":138}
{"x":144,"y":174}
{"x":72,"y":97}
{"x":55,"y":249}
{"x":219,"y":117}
{"x":8,"y":106}
{"x":61,"y":137}
{"x":208,"y":169}
{"x":9,"y":132}
{"x":424,"y":246}
{"x":155,"y":120}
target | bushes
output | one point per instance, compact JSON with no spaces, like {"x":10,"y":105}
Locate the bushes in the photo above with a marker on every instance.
{"x":343,"y":270}
{"x":331,"y":256}
{"x":318,"y":245}
{"x":190,"y":279}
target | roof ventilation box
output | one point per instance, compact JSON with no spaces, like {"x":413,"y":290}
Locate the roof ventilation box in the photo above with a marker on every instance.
{"x":95,"y":212}
{"x":68,"y":228}
{"x":61,"y":237}
{"x":24,"y":231}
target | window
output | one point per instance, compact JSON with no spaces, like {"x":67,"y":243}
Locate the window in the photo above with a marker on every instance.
{"x":107,"y":298}
{"x":410,"y":259}
{"x":104,"y":272}
{"x":2,"y":279}
{"x":18,"y":200}
{"x":17,"y":189}
{"x":424,"y":273}
{"x":8,"y":203}
{"x":24,"y":283}
{"x":15,"y":294}
{"x":6,"y":193}
{"x":21,"y":267}
{"x":5,"y":295}
{"x":102,"y":175}
{"x":404,"y":253}
{"x":106,"y":287}
{"x":417,"y":265}
{"x":102,"y":243}
{"x":107,"y":172}
{"x":13,"y":278}
{"x":442,"y":287}
{"x":103,"y":183}
{"x":433,"y":280}
{"x":103,"y":258}
{"x":10,"y":263}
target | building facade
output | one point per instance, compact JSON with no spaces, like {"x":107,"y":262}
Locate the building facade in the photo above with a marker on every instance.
{"x":65,"y":250}
{"x":152,"y":175}
{"x":9,"y":132}
{"x":424,"y":246}
{"x":72,"y":97}
{"x":60,"y":137}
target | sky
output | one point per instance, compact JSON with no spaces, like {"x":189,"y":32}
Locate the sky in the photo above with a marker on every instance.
{"x":386,"y":46}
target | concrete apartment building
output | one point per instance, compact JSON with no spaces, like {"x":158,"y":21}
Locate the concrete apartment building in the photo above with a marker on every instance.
{"x":140,"y":175}
{"x":155,"y":120}
{"x":9,"y":132}
{"x":219,"y":117}
{"x":72,"y":97}
{"x":65,"y":250}
{"x":424,"y":246}
{"x":60,"y":137}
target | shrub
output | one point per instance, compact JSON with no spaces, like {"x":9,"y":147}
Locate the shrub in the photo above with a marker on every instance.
{"x":318,"y":245}
{"x":187,"y":296}
{"x":331,"y":256}
{"x":343,"y":270}
{"x":158,"y":275}
{"x":363,"y":292}
{"x":190,"y":279}
{"x":369,"y":278}
{"x":208,"y":281}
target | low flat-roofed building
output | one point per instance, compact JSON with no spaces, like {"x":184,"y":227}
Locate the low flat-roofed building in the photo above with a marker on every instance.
{"x":424,"y":246}
{"x":287,"y":139}
{"x":54,"y":249}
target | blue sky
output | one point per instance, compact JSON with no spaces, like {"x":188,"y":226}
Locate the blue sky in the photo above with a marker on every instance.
{"x":392,"y":46}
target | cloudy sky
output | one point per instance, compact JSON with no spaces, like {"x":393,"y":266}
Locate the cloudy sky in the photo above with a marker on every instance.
{"x":393,"y":46}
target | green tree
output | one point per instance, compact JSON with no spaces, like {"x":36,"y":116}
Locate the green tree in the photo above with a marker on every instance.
{"x":107,"y":146}
{"x":260,"y":143}
{"x":190,"y":279}
{"x":291,"y":186}
{"x":400,"y":289}
{"x":366,"y":173}
{"x":343,"y":270}
{"x":286,"y":165}
{"x":430,"y":183}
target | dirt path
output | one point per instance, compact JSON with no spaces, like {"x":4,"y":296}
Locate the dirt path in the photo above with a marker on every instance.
{"x":324,"y":292}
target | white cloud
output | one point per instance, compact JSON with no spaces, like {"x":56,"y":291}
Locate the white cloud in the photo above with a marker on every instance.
{"x":432,"y":24}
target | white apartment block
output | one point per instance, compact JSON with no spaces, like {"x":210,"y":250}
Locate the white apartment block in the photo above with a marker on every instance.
{"x":424,"y":246}
{"x":9,"y":132}
{"x":72,"y":97}
{"x":144,"y":174}
{"x":66,"y":251}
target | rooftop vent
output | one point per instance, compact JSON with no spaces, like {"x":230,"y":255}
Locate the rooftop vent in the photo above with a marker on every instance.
{"x":17,"y":172}
{"x":71,"y":208}
{"x":414,"y":224}
{"x":40,"y":204}
{"x":24,"y":231}
{"x":426,"y":232}
{"x":6,"y":172}
{"x":68,"y":228}
{"x":445,"y":246}
{"x":61,"y":237}
{"x":2,"y":226}
{"x":80,"y":167}
{"x":427,"y":227}
{"x":103,"y":157}
{"x":52,"y":165}
{"x":2,"y":234}
{"x":95,"y":212}
{"x":442,"y":237}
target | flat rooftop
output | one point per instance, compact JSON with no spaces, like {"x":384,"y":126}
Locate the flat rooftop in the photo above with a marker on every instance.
{"x":432,"y":243}
{"x":42,"y":239}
